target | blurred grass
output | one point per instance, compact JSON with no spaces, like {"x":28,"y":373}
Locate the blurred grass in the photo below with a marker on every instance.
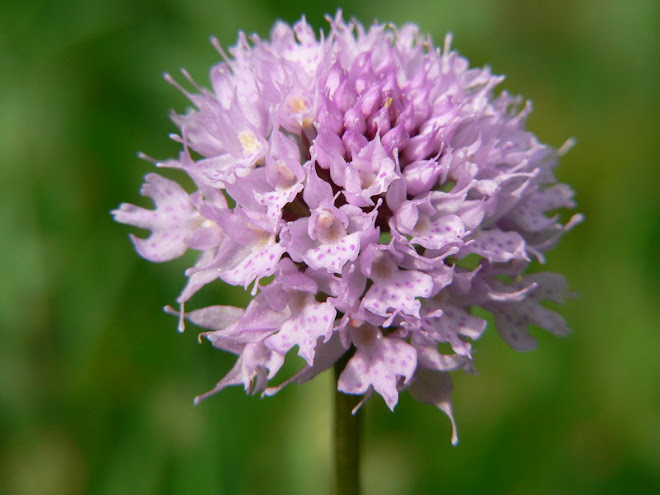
{"x":96,"y":386}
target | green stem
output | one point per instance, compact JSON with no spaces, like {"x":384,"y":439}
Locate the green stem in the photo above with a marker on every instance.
{"x":347,"y":438}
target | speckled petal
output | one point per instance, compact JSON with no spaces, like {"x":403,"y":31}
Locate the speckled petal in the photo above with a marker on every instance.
{"x":333,"y":256}
{"x":171,"y":223}
{"x":378,"y":363}
{"x":309,"y":322}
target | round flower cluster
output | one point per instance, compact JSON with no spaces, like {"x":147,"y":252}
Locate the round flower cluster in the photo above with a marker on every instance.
{"x":371,"y":190}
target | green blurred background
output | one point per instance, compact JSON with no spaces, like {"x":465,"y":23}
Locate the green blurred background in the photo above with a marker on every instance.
{"x":96,"y":385}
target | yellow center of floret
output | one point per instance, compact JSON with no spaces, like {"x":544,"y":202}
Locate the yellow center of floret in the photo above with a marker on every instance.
{"x":423,"y":224}
{"x":208,"y":224}
{"x":249,"y":142}
{"x":329,"y":227}
{"x":297,"y":105}
{"x":262,"y":238}
{"x":287,"y":175}
{"x":326,"y":219}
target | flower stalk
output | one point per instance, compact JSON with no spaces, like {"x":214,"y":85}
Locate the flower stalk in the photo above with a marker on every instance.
{"x":346,"y":438}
